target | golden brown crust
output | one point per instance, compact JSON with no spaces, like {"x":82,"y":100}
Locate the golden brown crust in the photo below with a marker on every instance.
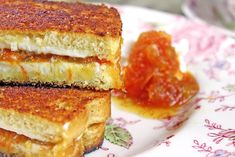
{"x":54,"y":104}
{"x":42,"y":16}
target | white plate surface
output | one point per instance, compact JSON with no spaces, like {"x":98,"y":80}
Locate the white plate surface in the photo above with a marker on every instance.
{"x":210,"y":130}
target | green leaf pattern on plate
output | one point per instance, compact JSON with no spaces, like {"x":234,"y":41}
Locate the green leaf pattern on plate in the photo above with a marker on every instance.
{"x":118,"y":136}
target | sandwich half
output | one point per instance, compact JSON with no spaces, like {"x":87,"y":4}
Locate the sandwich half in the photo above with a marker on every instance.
{"x":14,"y":145}
{"x":64,"y":44}
{"x":51,"y":115}
{"x":67,"y":29}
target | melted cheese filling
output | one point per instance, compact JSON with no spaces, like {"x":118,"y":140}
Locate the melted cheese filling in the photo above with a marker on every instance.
{"x":62,"y":44}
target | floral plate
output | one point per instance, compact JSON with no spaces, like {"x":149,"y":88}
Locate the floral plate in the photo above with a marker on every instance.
{"x":216,"y":12}
{"x":203,"y":128}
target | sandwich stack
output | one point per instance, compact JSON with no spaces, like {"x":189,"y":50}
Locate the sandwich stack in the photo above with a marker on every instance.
{"x":58,"y":63}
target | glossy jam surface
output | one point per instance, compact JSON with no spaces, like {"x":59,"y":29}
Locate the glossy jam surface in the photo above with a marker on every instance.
{"x":153,"y":78}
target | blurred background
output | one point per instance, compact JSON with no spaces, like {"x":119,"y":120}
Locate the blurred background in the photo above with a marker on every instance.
{"x":173,"y":6}
{"x":216,"y":12}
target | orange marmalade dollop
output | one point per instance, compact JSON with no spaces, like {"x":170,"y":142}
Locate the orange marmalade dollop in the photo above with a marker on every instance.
{"x":153,"y":78}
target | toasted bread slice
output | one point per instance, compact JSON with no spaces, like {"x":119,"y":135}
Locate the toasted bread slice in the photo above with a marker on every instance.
{"x":25,"y":68}
{"x":68,"y":29}
{"x":15,"y":145}
{"x":51,"y":114}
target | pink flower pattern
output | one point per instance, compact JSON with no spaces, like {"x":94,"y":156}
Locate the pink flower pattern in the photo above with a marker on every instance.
{"x":202,"y":39}
{"x":224,"y":108}
{"x":221,"y":133}
{"x":204,"y":148}
{"x":214,"y":97}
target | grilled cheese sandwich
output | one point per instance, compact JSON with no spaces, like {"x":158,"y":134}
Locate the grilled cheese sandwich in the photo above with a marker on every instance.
{"x":51,"y":114}
{"x":60,"y":44}
{"x":59,"y":28}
